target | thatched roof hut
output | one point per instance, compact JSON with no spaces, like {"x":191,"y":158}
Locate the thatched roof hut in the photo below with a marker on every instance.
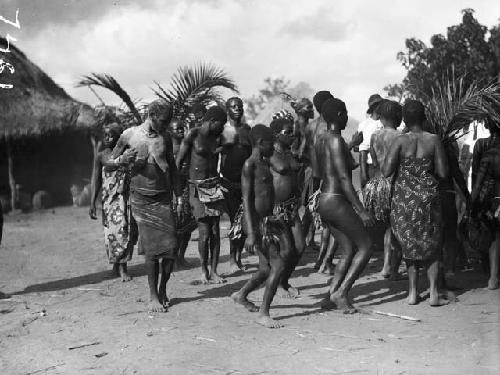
{"x":35,"y":105}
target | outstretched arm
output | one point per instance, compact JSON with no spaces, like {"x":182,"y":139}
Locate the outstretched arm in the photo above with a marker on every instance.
{"x":480,"y":177}
{"x":440,"y":159}
{"x":339,"y":152}
{"x":455,"y":171}
{"x":373,"y":154}
{"x":391,"y":161}
{"x":248,"y":197}
{"x":185,"y":148}
{"x":95,"y":185}
{"x":172,"y":167}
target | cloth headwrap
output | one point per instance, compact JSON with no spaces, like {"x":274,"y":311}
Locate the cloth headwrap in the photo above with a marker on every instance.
{"x":215,"y":113}
{"x":114,"y":128}
{"x":283,"y":114}
{"x":301,"y":105}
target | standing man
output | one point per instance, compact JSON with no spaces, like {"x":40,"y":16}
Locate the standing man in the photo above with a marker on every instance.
{"x":200,"y":149}
{"x":236,"y":148}
{"x":153,"y":178}
{"x":368,"y":127}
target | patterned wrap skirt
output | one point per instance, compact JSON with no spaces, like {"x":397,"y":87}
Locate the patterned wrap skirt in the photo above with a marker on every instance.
{"x":416,"y":214}
{"x":120,"y":229}
{"x":377,"y":198}
{"x":206,"y":197}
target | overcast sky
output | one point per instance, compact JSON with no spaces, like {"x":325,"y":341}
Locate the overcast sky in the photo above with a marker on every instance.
{"x":346,"y":46}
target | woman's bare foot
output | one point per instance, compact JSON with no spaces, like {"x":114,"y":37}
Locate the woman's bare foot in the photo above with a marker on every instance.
{"x":291,"y":292}
{"x":203,"y":280}
{"x":386,"y":272}
{"x":216,"y":279}
{"x":493,"y":283}
{"x":413,"y":299}
{"x":122,"y":269}
{"x":268,"y":322}
{"x":337,"y":302}
{"x":234,"y":268}
{"x":435,"y":300}
{"x":155,"y":305}
{"x":238,"y":298}
{"x":115,"y":272}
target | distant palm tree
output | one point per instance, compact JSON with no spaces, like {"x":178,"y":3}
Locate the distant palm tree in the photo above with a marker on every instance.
{"x":197,"y":84}
{"x":453,"y":107}
{"x":109,"y":82}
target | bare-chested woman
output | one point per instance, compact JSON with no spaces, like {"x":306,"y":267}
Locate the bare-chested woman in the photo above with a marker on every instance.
{"x":284,"y":169}
{"x":489,"y":170}
{"x":266,"y":233}
{"x":337,"y":204}
{"x":418,"y":157}
{"x":200,"y":149}
{"x":377,"y":191}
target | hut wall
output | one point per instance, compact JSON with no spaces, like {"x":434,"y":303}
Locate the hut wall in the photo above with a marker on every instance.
{"x":51,"y":162}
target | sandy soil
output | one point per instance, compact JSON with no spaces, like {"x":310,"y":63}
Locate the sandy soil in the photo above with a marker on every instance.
{"x":54,"y":265}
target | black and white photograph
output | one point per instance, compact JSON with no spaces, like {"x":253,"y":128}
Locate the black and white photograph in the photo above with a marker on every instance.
{"x":249,"y":187}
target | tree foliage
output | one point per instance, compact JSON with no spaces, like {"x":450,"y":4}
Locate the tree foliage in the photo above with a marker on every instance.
{"x":197,"y":84}
{"x":468,"y":50}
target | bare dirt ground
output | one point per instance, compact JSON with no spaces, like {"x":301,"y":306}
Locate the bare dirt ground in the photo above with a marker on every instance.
{"x":66,"y":316}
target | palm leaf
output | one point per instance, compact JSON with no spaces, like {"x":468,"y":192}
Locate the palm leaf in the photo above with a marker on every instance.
{"x":108,"y":82}
{"x":453,"y":106}
{"x":198,"y":84}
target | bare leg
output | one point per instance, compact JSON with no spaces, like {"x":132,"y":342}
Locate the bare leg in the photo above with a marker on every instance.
{"x":386,"y":270}
{"x":122,"y":269}
{"x":203,"y":249}
{"x":183,"y":244}
{"x":344,"y":262}
{"x":278,"y":265}
{"x":297,"y":249}
{"x":152,"y":268}
{"x":215,"y":251}
{"x":255,"y":281}
{"x":413,"y":297}
{"x":396,"y":257}
{"x":167,"y":266}
{"x":345,"y":224}
{"x":494,"y":259}
{"x":327,"y":267}
{"x":325,"y":241}
{"x":235,"y":249}
{"x":433,"y":275}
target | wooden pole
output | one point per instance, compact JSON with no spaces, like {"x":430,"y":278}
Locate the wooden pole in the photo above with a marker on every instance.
{"x":12,"y":180}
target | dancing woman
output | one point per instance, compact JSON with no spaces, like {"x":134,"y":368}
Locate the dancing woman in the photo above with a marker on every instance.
{"x":120,"y":232}
{"x":419,"y":159}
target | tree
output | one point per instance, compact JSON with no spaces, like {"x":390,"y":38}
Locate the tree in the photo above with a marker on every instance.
{"x":274,"y":88}
{"x":466,"y":51}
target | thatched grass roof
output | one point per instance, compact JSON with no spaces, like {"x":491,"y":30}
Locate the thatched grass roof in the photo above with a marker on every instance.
{"x":36,"y":104}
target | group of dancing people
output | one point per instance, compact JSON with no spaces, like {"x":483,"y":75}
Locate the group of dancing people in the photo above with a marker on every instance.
{"x":278,"y":184}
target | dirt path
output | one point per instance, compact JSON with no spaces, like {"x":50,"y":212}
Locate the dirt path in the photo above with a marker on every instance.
{"x":54,"y":264}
